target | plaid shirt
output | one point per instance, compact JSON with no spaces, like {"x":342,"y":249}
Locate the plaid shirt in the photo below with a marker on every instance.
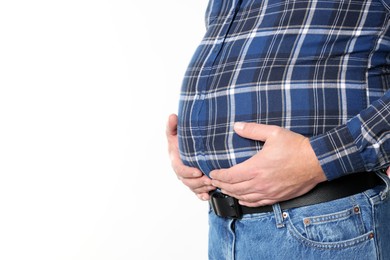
{"x":318,"y":68}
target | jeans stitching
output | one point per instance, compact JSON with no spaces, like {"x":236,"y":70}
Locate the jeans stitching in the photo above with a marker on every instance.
{"x":327,"y":245}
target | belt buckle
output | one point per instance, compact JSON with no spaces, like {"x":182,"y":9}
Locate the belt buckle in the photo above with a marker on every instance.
{"x":225,"y":205}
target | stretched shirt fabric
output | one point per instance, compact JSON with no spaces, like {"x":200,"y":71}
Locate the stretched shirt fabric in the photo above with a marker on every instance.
{"x":318,"y":68}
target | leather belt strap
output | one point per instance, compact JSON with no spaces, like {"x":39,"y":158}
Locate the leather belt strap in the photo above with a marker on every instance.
{"x":228,"y":207}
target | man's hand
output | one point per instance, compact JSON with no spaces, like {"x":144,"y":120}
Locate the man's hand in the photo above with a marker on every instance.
{"x":193,"y":178}
{"x":285,"y":168}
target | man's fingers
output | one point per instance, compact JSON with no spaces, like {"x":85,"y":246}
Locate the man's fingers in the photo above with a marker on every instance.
{"x":183,"y":171}
{"x":235,"y":189}
{"x":203,"y":196}
{"x":171,"y":128}
{"x":193,"y":178}
{"x":236,"y":174}
{"x":198,"y":185}
{"x":254,"y":131}
{"x":195,"y":183}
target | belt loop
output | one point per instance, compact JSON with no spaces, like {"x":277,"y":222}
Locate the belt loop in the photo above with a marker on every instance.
{"x":385,"y":193}
{"x":278,"y":215}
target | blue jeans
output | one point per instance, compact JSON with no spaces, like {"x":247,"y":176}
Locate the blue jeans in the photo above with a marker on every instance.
{"x":355,"y":227}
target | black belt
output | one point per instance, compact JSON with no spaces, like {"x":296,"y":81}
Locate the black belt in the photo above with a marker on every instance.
{"x":227,"y":206}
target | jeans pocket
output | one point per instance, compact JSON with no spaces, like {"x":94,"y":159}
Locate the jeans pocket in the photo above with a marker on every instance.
{"x":333,"y":225}
{"x":338,"y":226}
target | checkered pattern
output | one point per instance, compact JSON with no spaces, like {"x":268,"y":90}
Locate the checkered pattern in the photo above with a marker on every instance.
{"x":318,"y":68}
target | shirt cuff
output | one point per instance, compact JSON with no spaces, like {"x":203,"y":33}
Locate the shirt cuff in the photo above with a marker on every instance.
{"x":337,"y":153}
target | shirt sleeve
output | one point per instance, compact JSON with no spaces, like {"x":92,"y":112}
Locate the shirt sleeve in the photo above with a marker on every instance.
{"x":362,"y":144}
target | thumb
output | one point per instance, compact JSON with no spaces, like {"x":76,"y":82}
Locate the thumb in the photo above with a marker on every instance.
{"x":254,"y":131}
{"x":171,"y":127}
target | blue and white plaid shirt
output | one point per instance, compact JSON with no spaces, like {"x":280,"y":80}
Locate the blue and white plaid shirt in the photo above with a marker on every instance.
{"x":318,"y":68}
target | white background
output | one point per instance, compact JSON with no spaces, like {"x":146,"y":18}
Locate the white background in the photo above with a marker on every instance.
{"x":86,"y":87}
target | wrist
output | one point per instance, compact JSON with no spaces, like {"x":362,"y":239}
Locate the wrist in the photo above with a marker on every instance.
{"x":318,"y":174}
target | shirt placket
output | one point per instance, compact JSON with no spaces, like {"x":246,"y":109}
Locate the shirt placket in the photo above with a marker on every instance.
{"x":199,"y":108}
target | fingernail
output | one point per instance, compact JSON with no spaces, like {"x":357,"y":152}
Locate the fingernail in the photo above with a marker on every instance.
{"x":201,"y":197}
{"x":239,"y":126}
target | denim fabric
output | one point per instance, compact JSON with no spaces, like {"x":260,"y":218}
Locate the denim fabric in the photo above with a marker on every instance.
{"x":355,"y":227}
